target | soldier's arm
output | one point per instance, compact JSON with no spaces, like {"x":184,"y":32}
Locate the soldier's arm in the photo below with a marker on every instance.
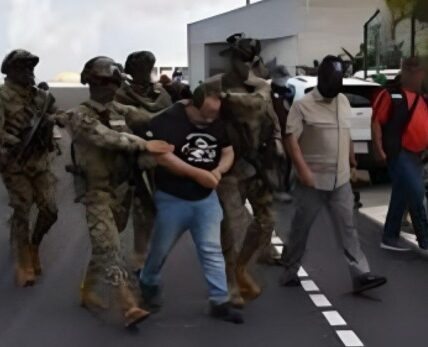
{"x":93,"y":131}
{"x":137,"y":120}
{"x":256,"y":99}
{"x":244,"y":100}
{"x":89,"y":129}
{"x":2,"y":116}
{"x":162,"y":101}
{"x":226,"y":161}
{"x":6,"y":138}
{"x":1,"y":121}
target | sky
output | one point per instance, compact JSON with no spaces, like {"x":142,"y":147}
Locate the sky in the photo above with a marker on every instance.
{"x":67,"y":33}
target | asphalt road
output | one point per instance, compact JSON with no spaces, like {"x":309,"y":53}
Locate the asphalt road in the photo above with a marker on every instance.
{"x":49,"y":315}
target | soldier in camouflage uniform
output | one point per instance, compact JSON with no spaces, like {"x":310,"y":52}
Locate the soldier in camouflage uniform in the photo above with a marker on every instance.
{"x":151,"y":100}
{"x":28,"y":181}
{"x":255,"y":133}
{"x":104,"y":151}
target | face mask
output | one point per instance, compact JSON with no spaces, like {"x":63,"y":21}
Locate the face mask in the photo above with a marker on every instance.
{"x":22,"y":75}
{"x":330,"y":79}
{"x":103,"y":92}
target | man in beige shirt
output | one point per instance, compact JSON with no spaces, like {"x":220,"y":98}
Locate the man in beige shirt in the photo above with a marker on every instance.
{"x":318,"y":141}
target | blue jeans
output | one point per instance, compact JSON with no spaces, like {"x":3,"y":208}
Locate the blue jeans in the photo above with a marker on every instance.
{"x":408,"y":191}
{"x":203,"y":218}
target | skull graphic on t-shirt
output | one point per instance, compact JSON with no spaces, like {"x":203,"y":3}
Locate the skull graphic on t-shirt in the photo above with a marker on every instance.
{"x":200,"y":148}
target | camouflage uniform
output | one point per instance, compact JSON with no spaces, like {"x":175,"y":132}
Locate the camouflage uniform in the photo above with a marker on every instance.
{"x":27,"y":183}
{"x":103,"y":151}
{"x":150,"y":102}
{"x":255,"y":133}
{"x":103,"y":155}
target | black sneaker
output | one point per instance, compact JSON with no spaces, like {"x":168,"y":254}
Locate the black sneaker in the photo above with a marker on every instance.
{"x":290,"y":281}
{"x":367,"y":282}
{"x":423,"y":248}
{"x":227,"y":313}
{"x":395,"y":245}
{"x":152,"y":297}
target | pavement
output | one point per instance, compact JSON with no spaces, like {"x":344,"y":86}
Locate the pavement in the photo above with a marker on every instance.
{"x":321,"y":313}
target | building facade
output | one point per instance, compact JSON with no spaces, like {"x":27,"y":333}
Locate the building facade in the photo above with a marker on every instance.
{"x":295,"y":32}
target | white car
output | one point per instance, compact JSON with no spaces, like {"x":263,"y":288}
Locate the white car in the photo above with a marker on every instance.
{"x":360,"y":94}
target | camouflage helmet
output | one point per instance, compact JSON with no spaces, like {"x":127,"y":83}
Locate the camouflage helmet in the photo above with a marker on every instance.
{"x":101,"y":67}
{"x":245,"y":48}
{"x":15,"y":56}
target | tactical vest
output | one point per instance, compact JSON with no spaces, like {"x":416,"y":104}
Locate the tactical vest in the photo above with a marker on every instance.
{"x":18,"y":112}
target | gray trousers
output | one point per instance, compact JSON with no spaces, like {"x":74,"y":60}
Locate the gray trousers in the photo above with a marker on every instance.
{"x":339,"y":204}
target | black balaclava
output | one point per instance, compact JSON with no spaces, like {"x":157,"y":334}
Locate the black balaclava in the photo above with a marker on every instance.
{"x":140,"y":65}
{"x":330,"y":77}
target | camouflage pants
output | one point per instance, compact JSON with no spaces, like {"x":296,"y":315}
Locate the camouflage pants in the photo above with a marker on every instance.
{"x":238,"y":222}
{"x":26,"y":189}
{"x":107,"y":276}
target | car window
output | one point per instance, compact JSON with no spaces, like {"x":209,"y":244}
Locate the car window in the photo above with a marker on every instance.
{"x":360,"y":96}
{"x":358,"y":101}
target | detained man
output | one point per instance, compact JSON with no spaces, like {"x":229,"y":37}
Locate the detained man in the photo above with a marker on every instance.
{"x":185,"y":196}
{"x":319,"y":144}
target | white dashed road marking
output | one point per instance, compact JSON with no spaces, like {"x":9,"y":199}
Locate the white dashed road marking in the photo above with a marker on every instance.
{"x":320,"y":300}
{"x":349,"y":338}
{"x":334,"y":319}
{"x":309,"y":286}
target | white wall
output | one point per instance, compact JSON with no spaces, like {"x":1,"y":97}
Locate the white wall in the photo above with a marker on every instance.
{"x":300,"y":30}
{"x":263,"y":20}
{"x":284,"y":49}
{"x":332,"y":24}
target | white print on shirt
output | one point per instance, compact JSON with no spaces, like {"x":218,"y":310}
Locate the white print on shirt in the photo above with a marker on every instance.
{"x":200,"y":148}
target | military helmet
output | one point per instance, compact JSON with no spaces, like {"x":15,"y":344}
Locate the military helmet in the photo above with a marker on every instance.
{"x":18,"y":55}
{"x":245,"y":48}
{"x":101,"y":67}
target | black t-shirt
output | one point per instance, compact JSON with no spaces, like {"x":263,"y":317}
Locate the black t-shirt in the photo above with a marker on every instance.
{"x":199,"y":147}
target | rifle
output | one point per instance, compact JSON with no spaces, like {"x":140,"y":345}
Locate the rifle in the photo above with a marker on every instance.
{"x":40,"y":135}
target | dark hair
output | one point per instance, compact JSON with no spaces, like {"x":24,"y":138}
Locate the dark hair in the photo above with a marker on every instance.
{"x":43,"y":86}
{"x":136,"y":57}
{"x":201,"y":92}
{"x":164,"y":80}
{"x":198,"y":97}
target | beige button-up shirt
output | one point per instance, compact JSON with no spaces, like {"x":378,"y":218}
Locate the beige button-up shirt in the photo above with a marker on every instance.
{"x":322,"y":127}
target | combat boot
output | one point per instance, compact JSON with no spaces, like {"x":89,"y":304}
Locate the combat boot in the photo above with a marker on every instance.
{"x":248,"y":287}
{"x":24,"y":271}
{"x":236,"y":299}
{"x":89,"y":299}
{"x":35,"y":259}
{"x":132,"y":313}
